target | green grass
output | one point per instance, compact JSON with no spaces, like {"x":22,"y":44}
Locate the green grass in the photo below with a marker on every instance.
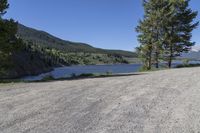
{"x":161,"y":67}
{"x":48,"y":78}
{"x":74,"y":76}
{"x":188,"y":65}
{"x":10,"y":81}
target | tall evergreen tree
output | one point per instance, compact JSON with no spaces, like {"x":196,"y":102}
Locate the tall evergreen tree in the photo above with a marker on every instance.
{"x":145,"y":49}
{"x":165,"y":30}
{"x":178,"y":29}
{"x":9,"y":43}
{"x":150,"y":30}
{"x":155,"y":15}
{"x":3,"y":6}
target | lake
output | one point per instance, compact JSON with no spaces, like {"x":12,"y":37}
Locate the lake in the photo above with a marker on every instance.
{"x":64,"y":72}
{"x":100,"y":69}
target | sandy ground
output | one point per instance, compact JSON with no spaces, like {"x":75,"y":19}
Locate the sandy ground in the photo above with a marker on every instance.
{"x":157,"y":102}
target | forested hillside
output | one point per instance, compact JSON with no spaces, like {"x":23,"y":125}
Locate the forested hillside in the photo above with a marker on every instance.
{"x":58,"y":52}
{"x":46,"y":40}
{"x":26,"y":51}
{"x":40,"y":52}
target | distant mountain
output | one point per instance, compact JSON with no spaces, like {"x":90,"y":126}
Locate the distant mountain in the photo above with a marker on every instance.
{"x":47,"y":40}
{"x":194,"y":55}
{"x":196,"y":48}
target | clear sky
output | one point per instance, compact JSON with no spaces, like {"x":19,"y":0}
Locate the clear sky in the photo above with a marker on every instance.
{"x":106,"y":24}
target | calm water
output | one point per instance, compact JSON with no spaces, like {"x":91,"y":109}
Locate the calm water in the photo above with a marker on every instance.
{"x":100,"y":69}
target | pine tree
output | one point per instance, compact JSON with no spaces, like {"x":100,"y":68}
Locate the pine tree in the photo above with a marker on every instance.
{"x":9,"y":43}
{"x":178,"y":28}
{"x":145,"y":49}
{"x":150,"y":32}
{"x":3,"y":6}
{"x":155,"y":15}
{"x":165,"y":30}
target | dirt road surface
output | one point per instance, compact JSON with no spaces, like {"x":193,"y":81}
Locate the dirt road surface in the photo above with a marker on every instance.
{"x":165,"y":101}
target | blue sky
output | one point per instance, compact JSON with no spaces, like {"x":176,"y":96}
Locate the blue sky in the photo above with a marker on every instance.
{"x":106,"y":24}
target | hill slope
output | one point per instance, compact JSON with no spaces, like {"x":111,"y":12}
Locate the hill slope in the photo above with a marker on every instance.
{"x":46,"y":40}
{"x":41,"y":52}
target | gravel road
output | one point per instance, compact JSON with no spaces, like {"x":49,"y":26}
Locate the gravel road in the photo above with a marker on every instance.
{"x":165,"y":101}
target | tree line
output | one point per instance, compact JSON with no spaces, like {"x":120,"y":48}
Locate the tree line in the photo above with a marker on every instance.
{"x":165,"y":31}
{"x":9,"y":43}
{"x":55,"y":57}
{"x":17,"y":52}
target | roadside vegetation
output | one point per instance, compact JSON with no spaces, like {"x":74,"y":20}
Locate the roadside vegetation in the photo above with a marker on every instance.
{"x":187,"y":65}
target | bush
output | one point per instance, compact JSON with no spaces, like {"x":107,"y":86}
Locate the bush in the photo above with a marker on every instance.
{"x":108,"y":73}
{"x":188,"y":65}
{"x":143,"y":69}
{"x":73,"y":75}
{"x":48,"y":78}
{"x":87,"y":75}
{"x":186,"y":62}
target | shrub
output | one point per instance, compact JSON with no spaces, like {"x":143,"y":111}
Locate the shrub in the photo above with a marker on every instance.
{"x":48,"y":78}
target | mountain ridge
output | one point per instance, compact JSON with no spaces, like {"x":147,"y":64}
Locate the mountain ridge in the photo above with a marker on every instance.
{"x":193,"y":55}
{"x":41,"y":52}
{"x":47,"y":40}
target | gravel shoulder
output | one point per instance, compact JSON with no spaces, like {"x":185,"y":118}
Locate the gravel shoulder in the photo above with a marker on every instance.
{"x":165,"y":101}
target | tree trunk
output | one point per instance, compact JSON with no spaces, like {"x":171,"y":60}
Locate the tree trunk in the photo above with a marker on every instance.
{"x":171,"y":50}
{"x":170,"y":57}
{"x":149,"y":62}
{"x":156,"y":59}
{"x":170,"y":62}
{"x":157,"y":48}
